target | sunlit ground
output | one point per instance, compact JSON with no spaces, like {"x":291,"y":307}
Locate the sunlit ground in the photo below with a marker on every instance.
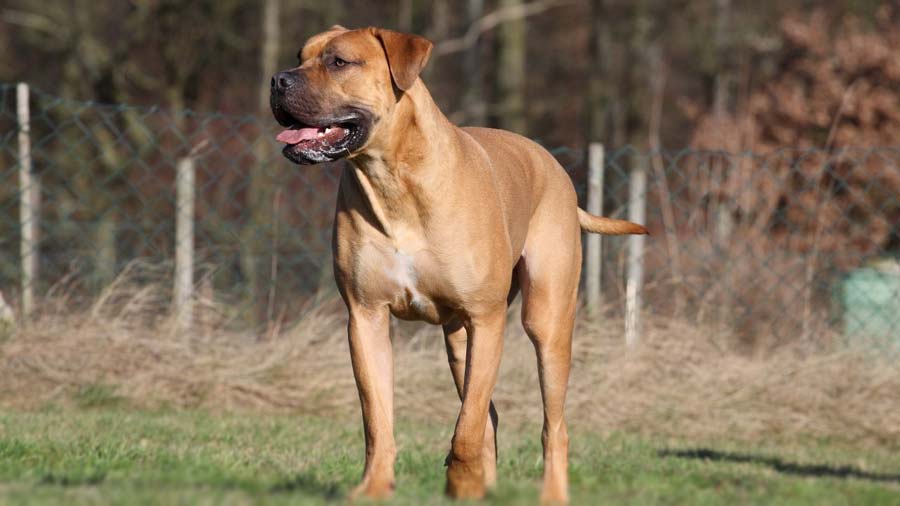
{"x":111,"y":454}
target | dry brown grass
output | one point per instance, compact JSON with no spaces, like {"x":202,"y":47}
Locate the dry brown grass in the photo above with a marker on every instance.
{"x":682,"y":381}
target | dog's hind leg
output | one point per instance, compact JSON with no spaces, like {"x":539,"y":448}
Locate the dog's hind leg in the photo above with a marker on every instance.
{"x":549,"y":284}
{"x":456,"y":339}
{"x":484,"y":343}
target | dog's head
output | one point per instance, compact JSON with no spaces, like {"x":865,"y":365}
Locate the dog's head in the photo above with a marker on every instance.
{"x":347,"y":82}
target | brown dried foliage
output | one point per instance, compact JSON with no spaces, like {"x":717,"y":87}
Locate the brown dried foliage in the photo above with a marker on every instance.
{"x":832,"y":98}
{"x":835,"y":79}
{"x":800,"y":185}
{"x":682,"y":381}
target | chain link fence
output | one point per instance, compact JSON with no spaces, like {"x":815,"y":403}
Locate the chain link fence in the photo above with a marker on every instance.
{"x":781,"y":246}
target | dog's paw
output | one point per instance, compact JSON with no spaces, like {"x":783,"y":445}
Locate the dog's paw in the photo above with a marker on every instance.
{"x":373,"y":489}
{"x":555,"y":491}
{"x":465,"y":481}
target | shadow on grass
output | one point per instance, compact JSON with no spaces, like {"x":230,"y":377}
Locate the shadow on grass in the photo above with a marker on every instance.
{"x":63,"y":480}
{"x":307,"y":484}
{"x":300,"y":483}
{"x":791,"y":468}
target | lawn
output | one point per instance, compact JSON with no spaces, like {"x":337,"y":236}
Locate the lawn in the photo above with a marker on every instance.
{"x":120,"y":456}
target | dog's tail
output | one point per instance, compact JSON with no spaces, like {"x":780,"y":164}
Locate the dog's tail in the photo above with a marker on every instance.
{"x":608,"y":226}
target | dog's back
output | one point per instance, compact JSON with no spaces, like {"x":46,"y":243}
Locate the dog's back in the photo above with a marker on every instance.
{"x":530,"y":174}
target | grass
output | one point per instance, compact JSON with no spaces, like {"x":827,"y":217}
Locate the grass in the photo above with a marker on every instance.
{"x":685,"y":379}
{"x":222,"y":414}
{"x":117,"y":455}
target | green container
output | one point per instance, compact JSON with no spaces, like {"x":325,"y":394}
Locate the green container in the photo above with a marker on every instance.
{"x":871,"y":301}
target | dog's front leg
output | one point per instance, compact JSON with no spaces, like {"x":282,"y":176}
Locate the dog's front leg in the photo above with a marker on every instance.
{"x":465,"y":470}
{"x":373,"y":368}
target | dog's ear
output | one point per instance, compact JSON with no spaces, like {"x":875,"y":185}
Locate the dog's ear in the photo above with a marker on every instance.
{"x":407,"y":55}
{"x":337,"y":28}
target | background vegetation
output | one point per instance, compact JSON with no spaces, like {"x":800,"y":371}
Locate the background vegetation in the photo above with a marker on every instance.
{"x":564,"y":71}
{"x":745,"y":388}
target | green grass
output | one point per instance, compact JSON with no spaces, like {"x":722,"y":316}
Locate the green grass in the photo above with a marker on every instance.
{"x":109,"y":455}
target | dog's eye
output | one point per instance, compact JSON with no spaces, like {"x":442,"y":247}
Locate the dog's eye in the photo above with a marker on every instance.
{"x":338,"y":62}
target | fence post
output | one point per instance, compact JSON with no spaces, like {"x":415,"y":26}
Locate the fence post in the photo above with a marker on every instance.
{"x":184,"y":241}
{"x":7,"y":317}
{"x":29,"y":201}
{"x":594,"y":258}
{"x":637,"y":200}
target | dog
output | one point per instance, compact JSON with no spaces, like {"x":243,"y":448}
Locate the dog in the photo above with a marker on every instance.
{"x":440,"y":224}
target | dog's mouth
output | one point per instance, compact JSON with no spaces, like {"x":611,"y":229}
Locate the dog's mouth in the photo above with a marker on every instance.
{"x":314,"y":137}
{"x":323,"y":140}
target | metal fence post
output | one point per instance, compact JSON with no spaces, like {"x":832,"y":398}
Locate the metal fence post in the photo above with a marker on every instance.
{"x":29,"y":201}
{"x":637,"y":201}
{"x":184,"y":241}
{"x":594,"y":241}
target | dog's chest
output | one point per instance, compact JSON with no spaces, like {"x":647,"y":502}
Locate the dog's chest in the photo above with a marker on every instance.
{"x":385,"y":273}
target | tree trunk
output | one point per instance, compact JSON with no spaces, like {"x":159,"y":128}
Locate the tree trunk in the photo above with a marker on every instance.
{"x":440,"y":20}
{"x":405,"y":13}
{"x":637,"y":86}
{"x":722,"y":45}
{"x":473,"y":98}
{"x":511,"y":72}
{"x":438,"y":30}
{"x":721,"y":102}
{"x":269,"y":58}
{"x":331,"y":10}
{"x":255,"y":231}
{"x":598,"y":96}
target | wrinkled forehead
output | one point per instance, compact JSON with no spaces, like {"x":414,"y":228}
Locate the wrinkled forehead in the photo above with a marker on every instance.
{"x":351,"y":45}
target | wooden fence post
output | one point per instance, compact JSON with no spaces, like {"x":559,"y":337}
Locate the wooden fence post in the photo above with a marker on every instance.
{"x":7,"y":317}
{"x":637,"y":201}
{"x":594,"y":260}
{"x":184,"y":241}
{"x":29,"y":202}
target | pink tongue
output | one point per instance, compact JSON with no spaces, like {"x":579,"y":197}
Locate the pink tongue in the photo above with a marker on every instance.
{"x":295,"y":136}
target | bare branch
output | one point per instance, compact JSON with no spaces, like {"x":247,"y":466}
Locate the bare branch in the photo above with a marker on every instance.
{"x":490,"y":21}
{"x":32,"y":21}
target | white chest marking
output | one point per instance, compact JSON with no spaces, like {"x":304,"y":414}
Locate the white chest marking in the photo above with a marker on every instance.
{"x":403,"y":271}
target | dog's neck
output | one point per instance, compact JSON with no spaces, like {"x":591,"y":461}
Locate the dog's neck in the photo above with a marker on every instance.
{"x":399,"y":176}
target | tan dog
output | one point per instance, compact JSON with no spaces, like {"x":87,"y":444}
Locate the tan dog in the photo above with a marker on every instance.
{"x":440,"y":224}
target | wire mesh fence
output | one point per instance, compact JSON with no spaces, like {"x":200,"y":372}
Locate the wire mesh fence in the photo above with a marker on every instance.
{"x":792,"y":244}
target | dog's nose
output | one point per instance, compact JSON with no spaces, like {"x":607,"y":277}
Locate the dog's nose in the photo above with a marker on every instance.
{"x":283,"y":81}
